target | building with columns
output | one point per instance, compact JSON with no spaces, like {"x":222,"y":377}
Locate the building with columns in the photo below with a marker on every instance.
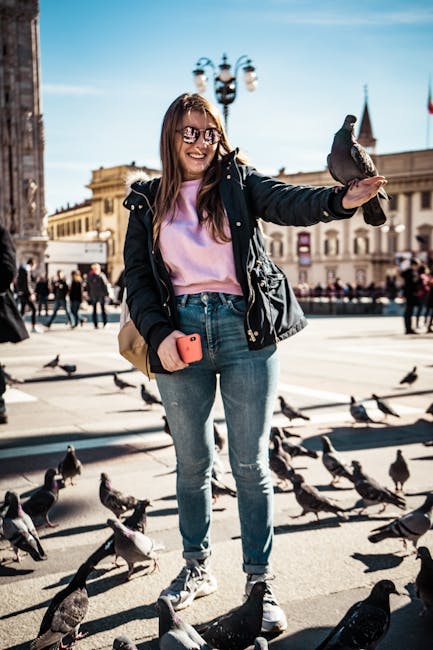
{"x":22,"y":200}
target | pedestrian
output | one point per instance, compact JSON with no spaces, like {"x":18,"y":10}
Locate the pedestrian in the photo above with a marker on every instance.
{"x":26,"y":291}
{"x":12,"y":328}
{"x":429,"y":304}
{"x":76,"y":297}
{"x":97,"y":290}
{"x":195,"y":262}
{"x":42,"y":291}
{"x":60,"y":290}
{"x":410,"y":278}
{"x":422,"y":295}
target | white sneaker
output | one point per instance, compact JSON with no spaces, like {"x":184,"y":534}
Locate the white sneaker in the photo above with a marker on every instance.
{"x":274,"y":619}
{"x":194,"y":581}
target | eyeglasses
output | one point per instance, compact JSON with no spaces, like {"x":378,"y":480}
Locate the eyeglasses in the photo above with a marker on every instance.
{"x":191,"y":134}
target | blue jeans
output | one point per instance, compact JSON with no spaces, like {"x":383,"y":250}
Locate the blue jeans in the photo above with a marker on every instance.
{"x":60,"y":303}
{"x":248,"y":385}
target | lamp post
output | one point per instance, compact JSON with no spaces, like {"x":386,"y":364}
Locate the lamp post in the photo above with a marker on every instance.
{"x":225,"y":79}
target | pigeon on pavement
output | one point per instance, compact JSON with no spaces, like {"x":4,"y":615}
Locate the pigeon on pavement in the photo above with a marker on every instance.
{"x":238,"y":628}
{"x":133,"y":546}
{"x":69,"y":368}
{"x":311,"y":500}
{"x":384,"y":406}
{"x":174,"y":633}
{"x":219,"y":488}
{"x":349,"y":162}
{"x":424,"y":579}
{"x":65,"y":613}
{"x":120,"y":383}
{"x":219,"y":439}
{"x":292,"y":448}
{"x":19,"y":529}
{"x":123,"y":643}
{"x":410,"y":378}
{"x":410,"y":526}
{"x":372,"y":492}
{"x":399,"y":471}
{"x":41,"y":501}
{"x":289,"y":411}
{"x":70,"y":466}
{"x":365,"y":624}
{"x":147,"y":397}
{"x":113,"y":499}
{"x":284,"y":433}
{"x":53,"y":363}
{"x":280,"y":461}
{"x":358,"y":412}
{"x":334,"y":463}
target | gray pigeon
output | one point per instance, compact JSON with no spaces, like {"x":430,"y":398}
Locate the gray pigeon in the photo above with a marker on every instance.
{"x":280,"y":461}
{"x":120,"y":383}
{"x":372,"y":492}
{"x":123,"y":643}
{"x":53,"y":363}
{"x":424,"y":579}
{"x":219,"y":439}
{"x":399,"y":471}
{"x":70,"y":466}
{"x":113,"y":499}
{"x":348,"y":163}
{"x":147,"y":397}
{"x":289,"y":411}
{"x":291,"y":448}
{"x":175,"y":634}
{"x":219,"y":488}
{"x":410,"y":378}
{"x":334,"y":463}
{"x":311,"y":500}
{"x":19,"y":529}
{"x":41,"y":501}
{"x":69,"y":368}
{"x":133,"y":546}
{"x":410,"y":526}
{"x":358,"y":412}
{"x":238,"y":628}
{"x":384,"y":406}
{"x":365,"y":623}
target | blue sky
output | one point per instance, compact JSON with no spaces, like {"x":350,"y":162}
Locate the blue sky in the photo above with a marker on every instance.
{"x":110,"y":68}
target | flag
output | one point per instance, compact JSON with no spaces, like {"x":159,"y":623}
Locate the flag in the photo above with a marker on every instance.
{"x":430,"y":101}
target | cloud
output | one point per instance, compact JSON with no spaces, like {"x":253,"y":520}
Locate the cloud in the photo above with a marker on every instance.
{"x":65,"y":89}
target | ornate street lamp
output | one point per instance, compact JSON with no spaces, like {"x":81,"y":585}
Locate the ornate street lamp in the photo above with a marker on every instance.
{"x":225,"y":80}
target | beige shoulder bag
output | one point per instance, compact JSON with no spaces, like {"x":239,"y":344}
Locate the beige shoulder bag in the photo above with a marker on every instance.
{"x":132,"y":345}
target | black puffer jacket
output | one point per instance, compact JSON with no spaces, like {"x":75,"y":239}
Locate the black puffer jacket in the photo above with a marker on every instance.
{"x":273,"y":312}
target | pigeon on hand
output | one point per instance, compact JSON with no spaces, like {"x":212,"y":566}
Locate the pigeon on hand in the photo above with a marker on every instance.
{"x":69,"y":368}
{"x":238,"y":628}
{"x":349,"y":162}
{"x":399,"y":471}
{"x":384,"y":406}
{"x":366,"y":623}
{"x":280,"y":461}
{"x":41,"y":501}
{"x":219,"y":439}
{"x":19,"y":529}
{"x":123,"y":643}
{"x":65,"y":613}
{"x":424,"y":579}
{"x":120,"y":383}
{"x":311,"y":500}
{"x":372,"y":492}
{"x":53,"y":363}
{"x":289,"y":411}
{"x":410,"y":378}
{"x":147,"y":397}
{"x":174,"y":633}
{"x":334,"y":462}
{"x":70,"y":466}
{"x":292,"y":448}
{"x":410,"y":526}
{"x":133,"y":546}
{"x":219,"y":488}
{"x":358,"y":412}
{"x":113,"y":499}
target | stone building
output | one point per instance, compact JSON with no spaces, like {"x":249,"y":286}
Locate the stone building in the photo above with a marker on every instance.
{"x":22,"y":202}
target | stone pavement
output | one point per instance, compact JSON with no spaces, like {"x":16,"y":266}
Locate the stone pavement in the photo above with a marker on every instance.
{"x":321,"y":568}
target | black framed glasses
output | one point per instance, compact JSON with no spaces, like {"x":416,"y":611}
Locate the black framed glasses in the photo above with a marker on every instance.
{"x":191,"y":134}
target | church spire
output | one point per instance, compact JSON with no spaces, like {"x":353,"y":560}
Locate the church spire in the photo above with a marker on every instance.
{"x":365,"y":135}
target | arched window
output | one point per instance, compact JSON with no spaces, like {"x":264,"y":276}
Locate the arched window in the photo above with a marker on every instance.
{"x":276,"y":245}
{"x":361,"y":242}
{"x":331,"y":243}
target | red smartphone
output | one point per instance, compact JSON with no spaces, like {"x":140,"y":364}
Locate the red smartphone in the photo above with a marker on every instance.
{"x":189,"y":348}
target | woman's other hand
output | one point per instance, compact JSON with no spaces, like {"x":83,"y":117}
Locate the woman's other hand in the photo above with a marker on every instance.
{"x":362,"y":191}
{"x":168,"y":354}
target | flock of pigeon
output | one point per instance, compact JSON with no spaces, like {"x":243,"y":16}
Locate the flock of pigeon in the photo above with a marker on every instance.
{"x":363,"y":626}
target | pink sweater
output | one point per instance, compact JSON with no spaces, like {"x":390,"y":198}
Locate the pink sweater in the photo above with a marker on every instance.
{"x":194,"y":260}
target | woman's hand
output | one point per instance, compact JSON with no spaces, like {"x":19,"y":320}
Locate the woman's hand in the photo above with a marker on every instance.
{"x":362,"y":191}
{"x":168,"y":354}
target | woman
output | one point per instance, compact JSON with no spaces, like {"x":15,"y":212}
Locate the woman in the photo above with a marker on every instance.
{"x":76,"y":297}
{"x":195,"y":262}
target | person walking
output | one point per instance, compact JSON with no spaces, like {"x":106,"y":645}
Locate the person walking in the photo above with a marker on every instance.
{"x":411,"y":281}
{"x":25,"y":290}
{"x":76,"y":297}
{"x":42,"y":291}
{"x":97,"y":290}
{"x":195,"y":262}
{"x":12,"y":327}
{"x":60,"y":290}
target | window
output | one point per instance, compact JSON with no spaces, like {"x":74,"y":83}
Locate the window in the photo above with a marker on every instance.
{"x":108,"y":206}
{"x":425,"y":200}
{"x":79,"y":224}
{"x":86,"y":224}
{"x":331,"y":243}
{"x":393,"y":202}
{"x":276,"y":246}
{"x":361,"y":243}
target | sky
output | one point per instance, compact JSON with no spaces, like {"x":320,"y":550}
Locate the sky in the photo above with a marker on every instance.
{"x":110,"y":69}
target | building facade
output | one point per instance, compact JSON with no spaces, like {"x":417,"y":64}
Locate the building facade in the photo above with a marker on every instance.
{"x":22,"y":200}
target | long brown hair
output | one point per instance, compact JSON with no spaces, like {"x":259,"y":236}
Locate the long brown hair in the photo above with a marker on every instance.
{"x":209,"y":205}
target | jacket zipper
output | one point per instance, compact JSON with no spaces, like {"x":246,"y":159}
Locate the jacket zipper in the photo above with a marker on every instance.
{"x":247,"y":314}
